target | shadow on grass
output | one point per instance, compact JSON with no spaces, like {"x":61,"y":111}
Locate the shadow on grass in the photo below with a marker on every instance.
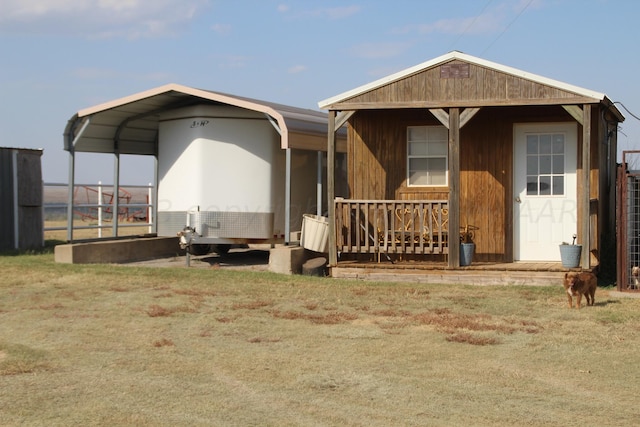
{"x":240,"y":257}
{"x":605,"y":303}
{"x":48,"y":248}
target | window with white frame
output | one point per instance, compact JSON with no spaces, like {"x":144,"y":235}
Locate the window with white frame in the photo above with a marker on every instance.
{"x":545,"y":164}
{"x":427,"y":155}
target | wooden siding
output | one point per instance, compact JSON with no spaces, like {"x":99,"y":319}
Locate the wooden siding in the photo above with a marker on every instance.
{"x":482,"y":87}
{"x":377,"y":167}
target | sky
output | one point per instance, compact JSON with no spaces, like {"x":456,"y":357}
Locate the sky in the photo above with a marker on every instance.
{"x":60,"y":56}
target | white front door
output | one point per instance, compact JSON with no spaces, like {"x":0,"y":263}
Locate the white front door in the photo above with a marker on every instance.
{"x":545,"y":202}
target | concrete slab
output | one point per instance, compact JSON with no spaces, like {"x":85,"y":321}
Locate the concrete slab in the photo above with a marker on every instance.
{"x":117,"y":251}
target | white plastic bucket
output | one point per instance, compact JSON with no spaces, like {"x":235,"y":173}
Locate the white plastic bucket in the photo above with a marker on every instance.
{"x":315,"y":233}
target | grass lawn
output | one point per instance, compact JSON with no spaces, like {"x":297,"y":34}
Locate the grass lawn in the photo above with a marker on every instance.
{"x":105,"y":345}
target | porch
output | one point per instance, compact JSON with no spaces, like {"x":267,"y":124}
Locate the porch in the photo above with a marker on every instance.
{"x":408,"y":241}
{"x":479,"y":273}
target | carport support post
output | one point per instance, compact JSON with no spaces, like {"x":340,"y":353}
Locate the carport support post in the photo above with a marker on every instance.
{"x":70,"y":194}
{"x":287,"y":198}
{"x":154,"y":200}
{"x":116,"y":193}
{"x":331,"y":187}
{"x":69,"y":144}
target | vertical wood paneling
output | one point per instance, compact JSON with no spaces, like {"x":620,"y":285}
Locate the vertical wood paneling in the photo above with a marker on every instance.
{"x":377,"y":153}
{"x":485,"y":171}
{"x":483,"y":84}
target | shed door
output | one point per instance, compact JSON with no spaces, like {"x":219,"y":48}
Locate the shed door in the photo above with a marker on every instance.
{"x":545,"y":203}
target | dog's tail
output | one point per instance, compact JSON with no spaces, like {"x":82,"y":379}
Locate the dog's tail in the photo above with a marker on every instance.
{"x":595,"y":270}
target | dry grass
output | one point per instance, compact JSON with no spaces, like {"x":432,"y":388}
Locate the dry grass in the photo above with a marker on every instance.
{"x":110,"y":345}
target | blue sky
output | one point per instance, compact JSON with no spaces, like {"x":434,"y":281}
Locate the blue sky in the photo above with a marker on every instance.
{"x":61,"y":56}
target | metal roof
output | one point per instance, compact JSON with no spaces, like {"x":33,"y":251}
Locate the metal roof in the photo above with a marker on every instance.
{"x":129,"y":125}
{"x":596,"y":96}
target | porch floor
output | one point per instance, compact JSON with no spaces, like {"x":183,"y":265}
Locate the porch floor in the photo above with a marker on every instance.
{"x":478,"y":273}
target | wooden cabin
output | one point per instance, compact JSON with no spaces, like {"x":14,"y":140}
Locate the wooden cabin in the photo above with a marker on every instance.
{"x":460,"y":146}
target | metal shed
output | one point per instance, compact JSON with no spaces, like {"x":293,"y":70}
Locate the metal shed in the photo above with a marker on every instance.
{"x":20,"y":198}
{"x":189,"y":132}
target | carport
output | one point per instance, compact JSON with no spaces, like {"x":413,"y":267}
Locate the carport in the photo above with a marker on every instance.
{"x":130,"y":125}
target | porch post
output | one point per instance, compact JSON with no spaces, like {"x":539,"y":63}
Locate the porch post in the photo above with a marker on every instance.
{"x":584,"y":198}
{"x":454,"y":187}
{"x":331,"y":187}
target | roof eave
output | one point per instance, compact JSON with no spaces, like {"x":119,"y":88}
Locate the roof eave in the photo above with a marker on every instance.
{"x":332,"y":103}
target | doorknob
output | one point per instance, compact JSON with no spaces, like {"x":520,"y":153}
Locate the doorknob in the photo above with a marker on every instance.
{"x":518,"y":199}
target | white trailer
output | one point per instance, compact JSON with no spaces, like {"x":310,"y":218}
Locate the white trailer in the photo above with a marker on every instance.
{"x":222,"y":178}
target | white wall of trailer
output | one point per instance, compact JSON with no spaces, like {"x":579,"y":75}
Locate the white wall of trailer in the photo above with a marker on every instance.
{"x":217,"y":158}
{"x":226,"y":162}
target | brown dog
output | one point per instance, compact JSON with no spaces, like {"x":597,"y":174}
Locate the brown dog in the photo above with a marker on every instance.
{"x":578,"y":284}
{"x":635,"y":273}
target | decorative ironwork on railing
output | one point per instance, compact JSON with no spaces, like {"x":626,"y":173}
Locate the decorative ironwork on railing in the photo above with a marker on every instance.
{"x":392,"y":226}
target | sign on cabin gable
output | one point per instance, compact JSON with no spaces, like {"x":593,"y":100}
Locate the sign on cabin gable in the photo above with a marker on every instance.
{"x":459,"y":70}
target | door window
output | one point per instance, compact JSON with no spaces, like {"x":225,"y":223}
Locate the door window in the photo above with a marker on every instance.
{"x":545,"y":164}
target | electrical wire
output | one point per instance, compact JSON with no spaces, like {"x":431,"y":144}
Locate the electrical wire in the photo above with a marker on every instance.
{"x":627,"y":110}
{"x":507,"y":27}
{"x":470,"y":24}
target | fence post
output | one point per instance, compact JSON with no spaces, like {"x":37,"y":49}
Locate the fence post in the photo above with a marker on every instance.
{"x":99,"y":209}
{"x":149,"y":208}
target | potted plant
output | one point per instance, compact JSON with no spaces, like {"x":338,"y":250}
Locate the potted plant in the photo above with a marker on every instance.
{"x":467,"y":246}
{"x":570,"y":253}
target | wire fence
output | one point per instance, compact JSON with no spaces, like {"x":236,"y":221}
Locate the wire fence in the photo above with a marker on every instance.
{"x":628,"y":222}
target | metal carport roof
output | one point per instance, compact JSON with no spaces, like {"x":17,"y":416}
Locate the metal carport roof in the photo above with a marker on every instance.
{"x":129,"y":125}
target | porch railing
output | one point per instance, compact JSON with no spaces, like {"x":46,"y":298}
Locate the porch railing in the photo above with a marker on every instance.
{"x":392,"y":226}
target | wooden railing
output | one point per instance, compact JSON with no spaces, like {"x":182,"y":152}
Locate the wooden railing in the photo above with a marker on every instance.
{"x":392,"y":226}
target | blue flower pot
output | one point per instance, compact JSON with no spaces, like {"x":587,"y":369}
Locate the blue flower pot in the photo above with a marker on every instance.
{"x":466,"y":253}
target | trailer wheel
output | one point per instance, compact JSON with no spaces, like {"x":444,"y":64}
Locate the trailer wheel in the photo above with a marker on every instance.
{"x":199,"y":249}
{"x":221,"y":249}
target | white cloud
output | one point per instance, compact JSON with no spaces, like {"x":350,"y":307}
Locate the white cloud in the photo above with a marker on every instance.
{"x":341,"y":12}
{"x":331,"y":13}
{"x":297,"y":69}
{"x":486,"y":22}
{"x":232,"y":61}
{"x":98,"y":18}
{"x":222,"y":29}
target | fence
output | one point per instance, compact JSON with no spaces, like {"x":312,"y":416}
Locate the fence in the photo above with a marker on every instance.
{"x":628,"y":222}
{"x":94,"y":205}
